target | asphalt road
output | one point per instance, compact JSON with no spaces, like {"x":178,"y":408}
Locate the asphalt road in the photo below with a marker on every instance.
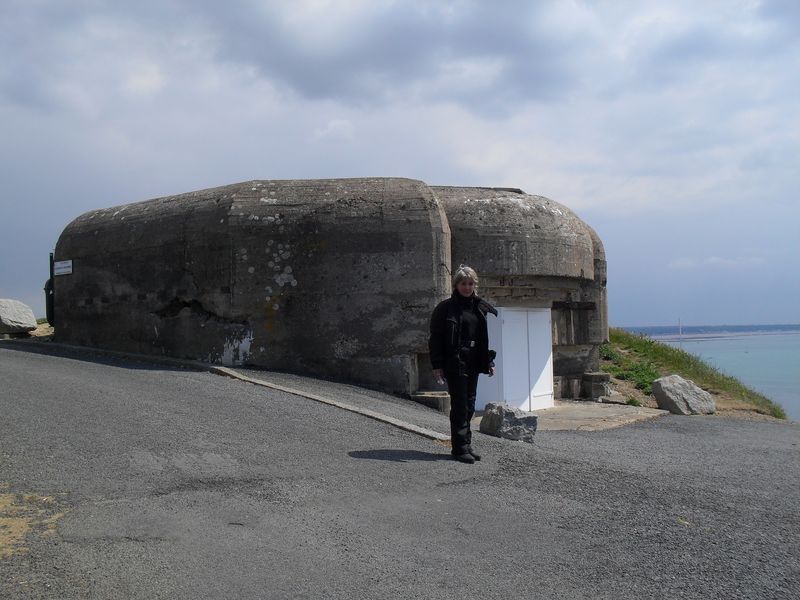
{"x":144,"y":482}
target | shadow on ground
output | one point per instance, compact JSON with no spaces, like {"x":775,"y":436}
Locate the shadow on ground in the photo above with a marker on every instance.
{"x":397,"y":455}
{"x":93,"y":355}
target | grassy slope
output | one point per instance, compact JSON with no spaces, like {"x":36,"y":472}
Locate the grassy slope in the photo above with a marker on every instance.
{"x":641,"y":360}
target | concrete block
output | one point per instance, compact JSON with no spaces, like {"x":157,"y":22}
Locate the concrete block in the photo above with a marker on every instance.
{"x":436,"y":400}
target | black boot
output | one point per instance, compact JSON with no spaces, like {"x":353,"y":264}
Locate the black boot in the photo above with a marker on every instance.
{"x":465,"y":458}
{"x":474,"y":454}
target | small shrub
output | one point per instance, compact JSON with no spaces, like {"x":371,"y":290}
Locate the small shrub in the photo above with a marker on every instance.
{"x":643,"y":375}
{"x":607,"y":352}
{"x":615,"y":370}
{"x":633,"y":401}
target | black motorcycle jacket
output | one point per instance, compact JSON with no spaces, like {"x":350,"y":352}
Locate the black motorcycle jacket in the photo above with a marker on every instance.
{"x":445,"y":335}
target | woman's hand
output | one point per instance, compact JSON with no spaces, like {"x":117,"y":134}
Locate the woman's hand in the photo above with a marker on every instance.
{"x":438,"y":376}
{"x":491,"y":371}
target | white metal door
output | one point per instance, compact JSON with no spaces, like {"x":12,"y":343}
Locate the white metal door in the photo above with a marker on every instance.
{"x":490,"y":389}
{"x":540,"y":359}
{"x":523,"y":341}
{"x":515,"y":377}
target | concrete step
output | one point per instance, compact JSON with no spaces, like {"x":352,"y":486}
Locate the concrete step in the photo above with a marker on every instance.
{"x":437,"y":400}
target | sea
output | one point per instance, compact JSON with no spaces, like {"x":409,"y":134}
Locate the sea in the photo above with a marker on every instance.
{"x":766,"y":358}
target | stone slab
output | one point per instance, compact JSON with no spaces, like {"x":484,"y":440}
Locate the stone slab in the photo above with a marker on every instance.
{"x":587,"y":416}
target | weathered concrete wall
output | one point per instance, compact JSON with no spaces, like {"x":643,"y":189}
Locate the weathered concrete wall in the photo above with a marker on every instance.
{"x":330,"y":277}
{"x":531,"y":251}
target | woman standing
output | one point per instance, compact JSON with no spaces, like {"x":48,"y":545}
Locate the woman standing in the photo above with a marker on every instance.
{"x":459,"y":348}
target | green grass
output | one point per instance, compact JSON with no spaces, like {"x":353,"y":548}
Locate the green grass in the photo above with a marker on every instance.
{"x":40,"y":321}
{"x":640,"y":359}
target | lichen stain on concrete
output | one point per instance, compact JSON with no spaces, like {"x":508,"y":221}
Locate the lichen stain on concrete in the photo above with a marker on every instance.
{"x":21,"y":514}
{"x":272,"y":307}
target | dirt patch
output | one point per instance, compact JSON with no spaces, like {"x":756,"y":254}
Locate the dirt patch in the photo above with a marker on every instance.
{"x":44,"y":330}
{"x":630,"y":392}
{"x":22,"y":514}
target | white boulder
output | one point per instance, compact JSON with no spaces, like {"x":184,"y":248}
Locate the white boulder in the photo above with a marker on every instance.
{"x":16,"y":317}
{"x":682,"y":397}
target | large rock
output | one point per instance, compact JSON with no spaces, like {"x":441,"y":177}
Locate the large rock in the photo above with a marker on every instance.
{"x":682,"y":397}
{"x":16,"y":317}
{"x":502,"y":420}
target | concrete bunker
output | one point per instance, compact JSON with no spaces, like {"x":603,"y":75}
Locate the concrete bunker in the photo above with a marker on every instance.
{"x":545,"y":271}
{"x":334,"y":278}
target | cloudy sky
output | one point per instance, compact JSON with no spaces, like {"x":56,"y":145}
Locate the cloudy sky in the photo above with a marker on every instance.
{"x":673,"y":128}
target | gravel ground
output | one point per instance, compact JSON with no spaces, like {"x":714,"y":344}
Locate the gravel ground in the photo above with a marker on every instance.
{"x":179,"y":484}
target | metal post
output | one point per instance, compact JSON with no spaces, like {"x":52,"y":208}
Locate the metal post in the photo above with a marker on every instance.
{"x":49,"y":295}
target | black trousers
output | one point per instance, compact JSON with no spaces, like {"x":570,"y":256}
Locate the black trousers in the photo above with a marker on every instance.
{"x":462,"y":389}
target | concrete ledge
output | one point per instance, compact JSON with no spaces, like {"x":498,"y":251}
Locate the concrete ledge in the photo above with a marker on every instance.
{"x":224,"y":371}
{"x":428,"y":433}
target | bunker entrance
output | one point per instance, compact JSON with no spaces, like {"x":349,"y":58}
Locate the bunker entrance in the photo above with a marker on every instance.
{"x":523,"y":340}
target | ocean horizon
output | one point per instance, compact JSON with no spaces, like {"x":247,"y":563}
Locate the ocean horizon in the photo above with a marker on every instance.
{"x":766,"y":358}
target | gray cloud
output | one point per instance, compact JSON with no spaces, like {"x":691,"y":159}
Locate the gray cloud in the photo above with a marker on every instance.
{"x":784,"y":12}
{"x":683,"y":56}
{"x":390,"y":49}
{"x":487,"y":57}
{"x":504,"y":53}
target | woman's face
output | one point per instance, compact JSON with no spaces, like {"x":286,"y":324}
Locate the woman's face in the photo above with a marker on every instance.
{"x":465,"y":287}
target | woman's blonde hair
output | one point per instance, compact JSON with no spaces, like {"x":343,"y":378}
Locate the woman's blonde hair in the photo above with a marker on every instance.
{"x":464,"y":272}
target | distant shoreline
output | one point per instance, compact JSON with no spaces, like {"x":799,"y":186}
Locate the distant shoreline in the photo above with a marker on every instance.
{"x":711,"y":336}
{"x":672,"y":333}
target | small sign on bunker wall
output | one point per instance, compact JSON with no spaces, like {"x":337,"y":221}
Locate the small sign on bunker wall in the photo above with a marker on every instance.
{"x":62,"y":267}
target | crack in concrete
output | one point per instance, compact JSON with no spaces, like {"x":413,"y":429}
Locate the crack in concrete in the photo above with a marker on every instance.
{"x":176,"y":305}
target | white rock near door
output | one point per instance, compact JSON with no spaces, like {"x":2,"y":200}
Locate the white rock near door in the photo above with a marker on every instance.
{"x":16,"y":317}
